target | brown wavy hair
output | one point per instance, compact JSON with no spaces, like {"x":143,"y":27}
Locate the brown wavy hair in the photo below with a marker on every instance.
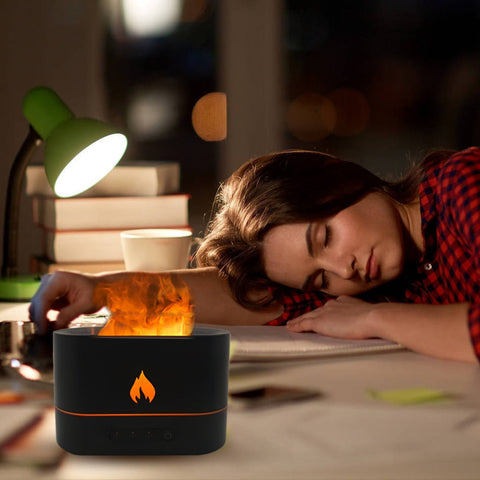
{"x":293,"y":186}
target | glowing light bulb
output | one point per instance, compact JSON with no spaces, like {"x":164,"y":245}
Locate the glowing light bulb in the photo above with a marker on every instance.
{"x":90,"y":165}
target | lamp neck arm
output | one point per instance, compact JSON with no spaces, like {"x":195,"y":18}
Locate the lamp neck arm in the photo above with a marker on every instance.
{"x":12,"y":206}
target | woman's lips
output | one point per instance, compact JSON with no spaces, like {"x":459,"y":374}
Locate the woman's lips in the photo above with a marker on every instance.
{"x":371,"y":269}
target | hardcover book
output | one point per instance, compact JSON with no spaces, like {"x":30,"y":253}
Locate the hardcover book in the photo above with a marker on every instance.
{"x":141,"y":179}
{"x":103,"y":213}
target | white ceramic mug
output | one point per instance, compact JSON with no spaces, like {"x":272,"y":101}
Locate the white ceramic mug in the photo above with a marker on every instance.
{"x":156,"y":249}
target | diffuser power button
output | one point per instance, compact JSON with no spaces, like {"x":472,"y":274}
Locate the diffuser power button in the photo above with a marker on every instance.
{"x":141,"y":435}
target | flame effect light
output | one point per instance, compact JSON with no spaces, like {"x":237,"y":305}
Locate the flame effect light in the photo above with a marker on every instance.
{"x":146,"y":304}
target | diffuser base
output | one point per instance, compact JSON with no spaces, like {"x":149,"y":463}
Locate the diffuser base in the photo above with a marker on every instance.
{"x":18,"y":289}
{"x":149,"y":435}
{"x":141,"y":395}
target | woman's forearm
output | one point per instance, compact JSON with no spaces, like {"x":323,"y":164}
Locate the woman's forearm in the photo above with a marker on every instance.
{"x":214,"y":303}
{"x":72,"y":294}
{"x":436,"y":330}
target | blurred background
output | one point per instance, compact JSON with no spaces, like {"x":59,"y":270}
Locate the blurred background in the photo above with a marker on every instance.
{"x":378,"y":82}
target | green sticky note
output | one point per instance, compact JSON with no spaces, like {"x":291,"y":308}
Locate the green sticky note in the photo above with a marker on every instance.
{"x":409,"y":396}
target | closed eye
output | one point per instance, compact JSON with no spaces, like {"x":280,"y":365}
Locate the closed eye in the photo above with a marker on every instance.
{"x":328,"y":235}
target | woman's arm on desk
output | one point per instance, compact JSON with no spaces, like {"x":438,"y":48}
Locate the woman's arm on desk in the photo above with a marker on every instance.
{"x":436,"y":330}
{"x":72,"y":294}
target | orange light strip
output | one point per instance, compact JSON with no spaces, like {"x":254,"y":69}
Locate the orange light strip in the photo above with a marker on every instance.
{"x":141,"y":414}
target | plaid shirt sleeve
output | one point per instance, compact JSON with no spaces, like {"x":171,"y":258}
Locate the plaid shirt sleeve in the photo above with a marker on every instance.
{"x":459,"y":187}
{"x":295,"y":302}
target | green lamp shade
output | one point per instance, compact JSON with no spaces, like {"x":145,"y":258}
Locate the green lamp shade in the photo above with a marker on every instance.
{"x":78,"y":151}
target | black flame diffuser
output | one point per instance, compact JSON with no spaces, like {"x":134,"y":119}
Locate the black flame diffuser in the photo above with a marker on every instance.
{"x":140,"y":395}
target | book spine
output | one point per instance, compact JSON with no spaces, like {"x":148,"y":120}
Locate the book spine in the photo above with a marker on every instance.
{"x":100,"y":213}
{"x":125,"y":180}
{"x":43,"y":266}
{"x":91,"y":246}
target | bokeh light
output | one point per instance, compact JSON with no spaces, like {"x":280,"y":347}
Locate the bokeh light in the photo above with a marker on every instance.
{"x":352,"y":110}
{"x":153,"y":110}
{"x":209,"y":117}
{"x":311,"y":117}
{"x":151,"y":17}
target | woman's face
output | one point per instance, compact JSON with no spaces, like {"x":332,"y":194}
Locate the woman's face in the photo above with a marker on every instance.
{"x":360,"y":248}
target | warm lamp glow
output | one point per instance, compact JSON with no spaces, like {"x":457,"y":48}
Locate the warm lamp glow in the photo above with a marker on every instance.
{"x":78,"y":151}
{"x":90,"y":165}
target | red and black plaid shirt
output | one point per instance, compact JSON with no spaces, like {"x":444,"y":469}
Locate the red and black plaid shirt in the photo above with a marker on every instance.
{"x":449,"y":270}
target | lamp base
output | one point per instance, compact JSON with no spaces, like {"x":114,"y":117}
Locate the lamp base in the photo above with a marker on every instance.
{"x":20,"y":288}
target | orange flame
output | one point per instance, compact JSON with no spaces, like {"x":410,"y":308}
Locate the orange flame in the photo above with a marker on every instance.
{"x":146,"y":304}
{"x":142,"y":387}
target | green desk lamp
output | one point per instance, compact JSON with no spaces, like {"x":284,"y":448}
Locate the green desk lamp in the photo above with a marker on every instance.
{"x":78,"y":153}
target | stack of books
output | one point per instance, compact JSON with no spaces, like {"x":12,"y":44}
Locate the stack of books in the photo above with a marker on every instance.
{"x":83,"y":233}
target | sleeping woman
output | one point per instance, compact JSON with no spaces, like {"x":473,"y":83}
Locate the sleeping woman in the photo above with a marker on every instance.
{"x":304,"y":239}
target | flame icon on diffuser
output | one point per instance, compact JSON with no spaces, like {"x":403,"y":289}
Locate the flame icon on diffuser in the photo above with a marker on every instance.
{"x":142,"y":388}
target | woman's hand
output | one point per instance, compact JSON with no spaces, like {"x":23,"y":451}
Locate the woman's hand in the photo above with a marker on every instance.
{"x":436,"y":330}
{"x":68,"y":293}
{"x":343,"y":317}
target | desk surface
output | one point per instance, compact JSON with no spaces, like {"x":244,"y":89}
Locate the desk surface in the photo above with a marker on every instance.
{"x":345,"y":433}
